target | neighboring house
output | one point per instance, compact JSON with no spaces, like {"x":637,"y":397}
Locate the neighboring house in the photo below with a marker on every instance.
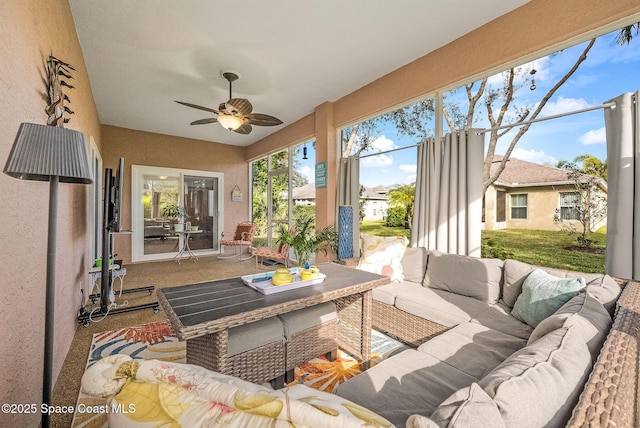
{"x":374,"y":199}
{"x":527,"y":195}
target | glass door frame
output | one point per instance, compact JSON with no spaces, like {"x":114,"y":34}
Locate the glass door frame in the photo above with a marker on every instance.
{"x":137,"y":208}
{"x":271,"y":222}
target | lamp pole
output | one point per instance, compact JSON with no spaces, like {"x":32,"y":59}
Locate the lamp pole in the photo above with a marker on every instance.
{"x":49,"y":317}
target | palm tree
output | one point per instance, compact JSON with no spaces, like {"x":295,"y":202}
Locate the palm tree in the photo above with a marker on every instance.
{"x":626,"y":34}
{"x":403,"y":195}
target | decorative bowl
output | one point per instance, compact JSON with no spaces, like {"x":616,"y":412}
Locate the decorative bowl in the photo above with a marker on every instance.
{"x":310,"y":273}
{"x":282,"y":277}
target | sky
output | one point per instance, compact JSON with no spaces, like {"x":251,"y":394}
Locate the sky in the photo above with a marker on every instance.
{"x":609,"y":71}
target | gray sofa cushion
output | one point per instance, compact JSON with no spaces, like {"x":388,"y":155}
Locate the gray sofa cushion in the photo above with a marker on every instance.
{"x":473,"y":348}
{"x":467,"y":407}
{"x":303,"y":319}
{"x":411,"y":382}
{"x":606,"y":290}
{"x":498,"y":317}
{"x":588,"y":315}
{"x":539,"y":385}
{"x":387,"y":293}
{"x":254,"y":335}
{"x":414,"y":264}
{"x":442,"y":307}
{"x":468,"y":276}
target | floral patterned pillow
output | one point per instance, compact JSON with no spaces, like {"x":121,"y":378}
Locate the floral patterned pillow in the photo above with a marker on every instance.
{"x":382,"y":255}
{"x":158,"y":393}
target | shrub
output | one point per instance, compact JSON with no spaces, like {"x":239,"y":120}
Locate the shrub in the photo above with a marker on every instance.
{"x":395,"y":216}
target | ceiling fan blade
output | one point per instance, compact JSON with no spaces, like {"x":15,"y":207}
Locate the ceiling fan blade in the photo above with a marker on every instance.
{"x":245,"y":128}
{"x":210,"y":110}
{"x":263,"y":119}
{"x":239,"y":106}
{"x":204,"y":121}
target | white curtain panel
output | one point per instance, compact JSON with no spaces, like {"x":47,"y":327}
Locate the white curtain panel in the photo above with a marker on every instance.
{"x":623,"y":200}
{"x":349,"y":194}
{"x":425,"y":206}
{"x":448,"y":202}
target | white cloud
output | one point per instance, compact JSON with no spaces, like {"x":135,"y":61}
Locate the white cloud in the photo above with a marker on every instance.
{"x":410,"y":179}
{"x":564,"y":105}
{"x":308,"y":173}
{"x":595,"y":136}
{"x":378,"y":161}
{"x":408,"y":168}
{"x":533,"y":156}
{"x":382,"y":144}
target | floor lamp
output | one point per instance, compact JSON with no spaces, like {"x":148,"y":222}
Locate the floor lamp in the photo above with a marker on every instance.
{"x":49,"y":153}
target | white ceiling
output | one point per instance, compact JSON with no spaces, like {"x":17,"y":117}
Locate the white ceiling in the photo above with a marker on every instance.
{"x":291,"y":55}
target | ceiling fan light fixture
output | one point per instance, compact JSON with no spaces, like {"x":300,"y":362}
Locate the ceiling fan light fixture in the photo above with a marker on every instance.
{"x":230,"y":122}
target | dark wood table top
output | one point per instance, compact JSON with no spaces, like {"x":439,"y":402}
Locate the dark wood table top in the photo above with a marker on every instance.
{"x":207,"y":307}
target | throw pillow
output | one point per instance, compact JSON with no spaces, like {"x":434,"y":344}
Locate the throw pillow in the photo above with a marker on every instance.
{"x":382,"y":255}
{"x":542,"y":295}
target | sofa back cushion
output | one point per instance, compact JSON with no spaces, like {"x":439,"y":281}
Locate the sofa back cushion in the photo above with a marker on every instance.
{"x":540,"y":384}
{"x":414,"y":264}
{"x":467,"y":407}
{"x":382,"y":255}
{"x":606,"y":290}
{"x":468,"y":276}
{"x":542,"y":295}
{"x":590,"y":318}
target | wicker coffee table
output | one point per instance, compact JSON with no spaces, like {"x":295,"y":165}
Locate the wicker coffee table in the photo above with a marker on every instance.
{"x":201,"y":314}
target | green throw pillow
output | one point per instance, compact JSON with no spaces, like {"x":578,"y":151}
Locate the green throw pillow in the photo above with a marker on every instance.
{"x":542,"y":295}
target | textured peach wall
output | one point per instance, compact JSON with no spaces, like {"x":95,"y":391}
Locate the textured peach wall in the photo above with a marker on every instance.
{"x":30,"y":30}
{"x":149,"y":149}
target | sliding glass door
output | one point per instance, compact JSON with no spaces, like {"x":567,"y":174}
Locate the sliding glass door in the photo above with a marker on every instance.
{"x":201,"y":204}
{"x":156,"y":192}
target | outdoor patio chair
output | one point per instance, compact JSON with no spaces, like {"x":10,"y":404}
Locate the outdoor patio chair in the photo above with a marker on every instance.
{"x":241,"y":238}
{"x":280,"y":253}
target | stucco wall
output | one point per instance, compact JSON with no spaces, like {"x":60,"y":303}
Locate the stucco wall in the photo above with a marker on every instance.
{"x":149,"y":149}
{"x":30,"y":30}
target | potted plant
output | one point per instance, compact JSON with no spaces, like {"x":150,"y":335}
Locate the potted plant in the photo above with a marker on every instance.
{"x":177,"y":213}
{"x":306,"y":240}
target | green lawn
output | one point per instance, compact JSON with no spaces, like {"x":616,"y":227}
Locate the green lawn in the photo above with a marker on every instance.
{"x":538,"y":247}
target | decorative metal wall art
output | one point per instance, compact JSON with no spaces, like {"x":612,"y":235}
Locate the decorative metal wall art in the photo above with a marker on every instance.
{"x":56,"y":109}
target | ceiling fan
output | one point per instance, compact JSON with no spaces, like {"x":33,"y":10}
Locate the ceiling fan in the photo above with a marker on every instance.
{"x":236,"y":113}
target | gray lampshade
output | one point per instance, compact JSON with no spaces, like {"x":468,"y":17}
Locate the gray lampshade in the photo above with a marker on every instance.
{"x":41,"y":151}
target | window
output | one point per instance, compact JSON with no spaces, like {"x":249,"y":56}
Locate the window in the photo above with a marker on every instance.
{"x":569,"y":203}
{"x":519,"y":207}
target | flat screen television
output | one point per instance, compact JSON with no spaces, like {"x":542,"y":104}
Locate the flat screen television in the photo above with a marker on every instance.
{"x":117,"y":189}
{"x":113,"y":186}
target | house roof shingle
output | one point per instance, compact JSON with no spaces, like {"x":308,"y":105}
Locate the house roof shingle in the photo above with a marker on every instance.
{"x":519,"y":173}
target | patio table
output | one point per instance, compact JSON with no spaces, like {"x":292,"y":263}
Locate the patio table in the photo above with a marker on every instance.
{"x":202,"y":313}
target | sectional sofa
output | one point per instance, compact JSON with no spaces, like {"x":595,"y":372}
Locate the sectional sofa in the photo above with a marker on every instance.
{"x":571,"y":360}
{"x":502,"y":343}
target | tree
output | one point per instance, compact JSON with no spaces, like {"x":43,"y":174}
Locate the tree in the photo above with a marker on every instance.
{"x":586,"y":164}
{"x":587,"y":205}
{"x":501,"y":106}
{"x":403,"y":195}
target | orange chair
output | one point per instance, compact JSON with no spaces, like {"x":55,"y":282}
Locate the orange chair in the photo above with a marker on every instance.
{"x":280,"y":253}
{"x":241,"y":238}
